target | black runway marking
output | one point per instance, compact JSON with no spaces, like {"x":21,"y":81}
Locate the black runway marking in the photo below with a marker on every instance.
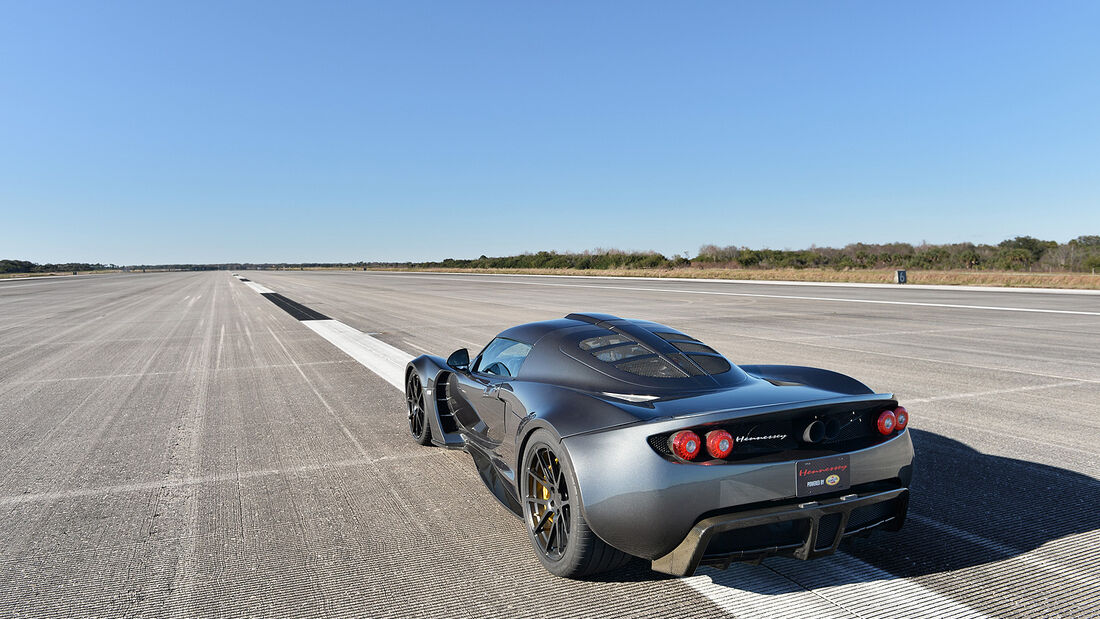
{"x":294,"y":308}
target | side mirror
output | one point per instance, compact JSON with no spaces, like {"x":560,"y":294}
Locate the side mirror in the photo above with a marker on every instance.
{"x":460,"y":360}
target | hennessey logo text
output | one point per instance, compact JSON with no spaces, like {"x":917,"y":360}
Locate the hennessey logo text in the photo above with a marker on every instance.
{"x":826,"y":469}
{"x":742,"y":439}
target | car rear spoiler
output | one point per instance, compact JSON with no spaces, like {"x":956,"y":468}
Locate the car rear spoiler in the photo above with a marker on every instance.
{"x":811,"y":377}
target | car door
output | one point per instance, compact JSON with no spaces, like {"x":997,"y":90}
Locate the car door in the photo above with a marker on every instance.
{"x":483,"y":408}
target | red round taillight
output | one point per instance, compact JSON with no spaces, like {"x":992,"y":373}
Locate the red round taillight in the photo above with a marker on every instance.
{"x":719,"y":443}
{"x":902,"y":416}
{"x":886,"y":422}
{"x":685,"y":444}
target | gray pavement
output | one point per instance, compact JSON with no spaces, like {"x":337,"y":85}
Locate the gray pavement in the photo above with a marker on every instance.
{"x":174,"y":444}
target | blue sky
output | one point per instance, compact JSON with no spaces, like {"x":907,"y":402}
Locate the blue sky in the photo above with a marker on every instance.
{"x":153,"y":132}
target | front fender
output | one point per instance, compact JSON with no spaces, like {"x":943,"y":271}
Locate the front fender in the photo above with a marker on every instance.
{"x":432,"y":370}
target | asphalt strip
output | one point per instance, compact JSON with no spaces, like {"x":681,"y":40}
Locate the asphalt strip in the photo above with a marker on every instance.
{"x":838,"y":586}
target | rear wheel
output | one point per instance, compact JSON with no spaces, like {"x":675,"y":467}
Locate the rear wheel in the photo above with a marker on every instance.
{"x":551,"y":509}
{"x":418,"y":417}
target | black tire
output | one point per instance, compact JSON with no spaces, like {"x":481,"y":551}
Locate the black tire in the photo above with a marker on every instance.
{"x":418,"y":415}
{"x":553,"y":516}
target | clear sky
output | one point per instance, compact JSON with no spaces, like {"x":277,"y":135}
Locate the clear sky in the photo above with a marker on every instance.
{"x":155,"y":132}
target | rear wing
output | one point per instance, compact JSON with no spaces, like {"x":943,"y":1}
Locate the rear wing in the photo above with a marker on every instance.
{"x":811,"y":377}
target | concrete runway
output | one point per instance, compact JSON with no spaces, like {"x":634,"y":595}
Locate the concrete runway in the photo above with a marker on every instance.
{"x":176,"y":444}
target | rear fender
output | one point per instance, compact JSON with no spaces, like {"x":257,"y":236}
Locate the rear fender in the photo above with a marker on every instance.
{"x":564,"y":412}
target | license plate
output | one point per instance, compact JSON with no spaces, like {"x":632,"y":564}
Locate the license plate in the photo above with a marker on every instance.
{"x":823,"y":475}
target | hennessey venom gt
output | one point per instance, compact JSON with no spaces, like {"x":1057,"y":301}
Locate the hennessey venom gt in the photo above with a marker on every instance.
{"x":615,"y":438}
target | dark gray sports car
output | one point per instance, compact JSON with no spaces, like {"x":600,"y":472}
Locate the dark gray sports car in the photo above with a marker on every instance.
{"x":614,"y":438}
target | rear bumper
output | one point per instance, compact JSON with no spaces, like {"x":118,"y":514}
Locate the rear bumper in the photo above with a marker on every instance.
{"x":645,"y":505}
{"x":805,"y":530}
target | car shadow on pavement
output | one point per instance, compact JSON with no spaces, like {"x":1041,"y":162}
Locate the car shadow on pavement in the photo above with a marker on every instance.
{"x":967,"y":510}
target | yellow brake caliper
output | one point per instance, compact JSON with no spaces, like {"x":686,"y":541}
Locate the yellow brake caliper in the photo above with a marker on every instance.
{"x":545,"y":493}
{"x":546,"y":497}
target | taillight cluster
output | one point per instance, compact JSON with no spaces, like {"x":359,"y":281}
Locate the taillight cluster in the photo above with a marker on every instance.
{"x":890,"y":421}
{"x":719,"y":443}
{"x":686,"y":444}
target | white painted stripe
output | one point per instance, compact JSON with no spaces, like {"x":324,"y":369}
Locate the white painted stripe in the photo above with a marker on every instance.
{"x":982,"y":394}
{"x":769,"y":282}
{"x":887,"y":333}
{"x":931,"y":418}
{"x":1034,"y":563}
{"x":832,"y":299}
{"x":839,"y":585}
{"x":376,"y":355}
{"x":911,"y":357}
{"x":806,"y":298}
{"x":35,"y":281}
{"x":756,"y":591}
{"x":235,"y":368}
{"x":842,"y":586}
{"x":40,"y":277}
{"x":258,"y":288}
{"x":200,"y":480}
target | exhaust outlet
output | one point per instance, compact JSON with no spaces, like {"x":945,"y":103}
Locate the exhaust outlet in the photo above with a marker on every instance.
{"x":814,"y":432}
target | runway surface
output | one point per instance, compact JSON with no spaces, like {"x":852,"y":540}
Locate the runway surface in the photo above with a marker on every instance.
{"x":177,"y":444}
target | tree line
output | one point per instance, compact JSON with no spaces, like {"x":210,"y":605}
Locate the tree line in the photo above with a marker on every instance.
{"x":1022,"y":253}
{"x":1018,"y":254}
{"x":25,"y":266}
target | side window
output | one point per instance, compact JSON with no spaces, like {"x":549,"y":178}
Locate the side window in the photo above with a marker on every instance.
{"x":502,"y":357}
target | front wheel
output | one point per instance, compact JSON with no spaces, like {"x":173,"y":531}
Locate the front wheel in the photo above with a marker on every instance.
{"x":551,"y":510}
{"x":418,"y":416}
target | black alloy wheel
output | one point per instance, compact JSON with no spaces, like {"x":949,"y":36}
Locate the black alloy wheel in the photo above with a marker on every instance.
{"x":549,"y":511}
{"x":418,"y":420}
{"x":552,"y":511}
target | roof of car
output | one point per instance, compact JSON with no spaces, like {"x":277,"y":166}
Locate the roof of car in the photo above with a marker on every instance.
{"x":556,"y":356}
{"x":532,"y":332}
